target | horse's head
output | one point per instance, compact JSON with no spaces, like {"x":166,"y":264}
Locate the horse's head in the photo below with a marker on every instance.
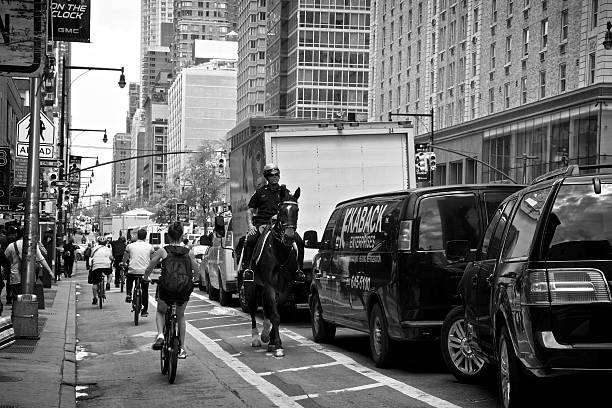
{"x":288,"y":216}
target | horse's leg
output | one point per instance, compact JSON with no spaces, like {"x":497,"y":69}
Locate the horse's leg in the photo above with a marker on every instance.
{"x":277,"y":345}
{"x":252,"y":310}
{"x":267,"y":325}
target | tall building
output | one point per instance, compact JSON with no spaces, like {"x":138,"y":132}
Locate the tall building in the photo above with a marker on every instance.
{"x":156,"y":22}
{"x":317,"y":59}
{"x":156,"y":59}
{"x":133,"y":104}
{"x":121,"y":171}
{"x":251,"y":59}
{"x":200,"y":20}
{"x":137,"y":144}
{"x":202,"y":104}
{"x":519,"y":85}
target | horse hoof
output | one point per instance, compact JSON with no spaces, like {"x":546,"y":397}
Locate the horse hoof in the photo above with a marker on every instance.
{"x":279,"y":353}
{"x":255,"y":343}
{"x":271,"y":348}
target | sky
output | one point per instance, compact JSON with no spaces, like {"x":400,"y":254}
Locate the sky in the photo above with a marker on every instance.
{"x":97,"y":100}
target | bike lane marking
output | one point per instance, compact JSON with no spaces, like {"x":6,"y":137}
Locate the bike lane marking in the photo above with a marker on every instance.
{"x":377,"y":377}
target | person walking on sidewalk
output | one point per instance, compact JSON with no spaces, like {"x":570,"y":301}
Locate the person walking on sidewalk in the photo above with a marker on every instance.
{"x":101,"y":261}
{"x":138,"y":254}
{"x":68,"y":256}
{"x":175,"y":282}
{"x":14,"y":253}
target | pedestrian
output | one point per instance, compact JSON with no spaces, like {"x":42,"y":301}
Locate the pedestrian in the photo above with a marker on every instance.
{"x":138,"y":254}
{"x":14,"y":253}
{"x":68,"y":256}
{"x":118,"y":247}
{"x":101,"y":262}
{"x":87,"y":255}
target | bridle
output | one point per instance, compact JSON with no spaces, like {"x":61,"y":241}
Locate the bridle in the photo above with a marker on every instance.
{"x":281,"y":224}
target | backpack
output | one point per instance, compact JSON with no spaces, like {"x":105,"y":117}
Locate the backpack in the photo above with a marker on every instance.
{"x":175,"y":282}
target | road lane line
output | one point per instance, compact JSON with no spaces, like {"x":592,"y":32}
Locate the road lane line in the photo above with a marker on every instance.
{"x":209,"y":318}
{"x":358,"y":388}
{"x":285,"y":370}
{"x":270,"y":391}
{"x":223,"y":325}
{"x":375,"y":376}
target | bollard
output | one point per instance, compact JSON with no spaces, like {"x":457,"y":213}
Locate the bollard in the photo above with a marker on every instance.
{"x":25,"y":316}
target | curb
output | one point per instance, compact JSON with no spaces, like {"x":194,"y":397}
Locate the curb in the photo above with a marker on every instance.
{"x":67,"y":397}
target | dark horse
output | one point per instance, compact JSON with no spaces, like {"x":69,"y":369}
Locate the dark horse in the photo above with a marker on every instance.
{"x":274,"y":265}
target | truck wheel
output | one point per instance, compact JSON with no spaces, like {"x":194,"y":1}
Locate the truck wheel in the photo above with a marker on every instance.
{"x":213,"y":294}
{"x":458,"y":355}
{"x":322,"y":331}
{"x":381,"y":345}
{"x":225,"y":298}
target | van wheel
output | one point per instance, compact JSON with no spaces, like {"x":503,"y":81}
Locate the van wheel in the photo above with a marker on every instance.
{"x":225,"y":298}
{"x":458,"y":355}
{"x":381,"y":345}
{"x":322,"y":331}
{"x":512,"y":382}
{"x":213,"y":294}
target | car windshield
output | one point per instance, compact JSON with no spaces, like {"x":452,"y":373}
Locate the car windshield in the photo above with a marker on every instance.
{"x":580,"y":225}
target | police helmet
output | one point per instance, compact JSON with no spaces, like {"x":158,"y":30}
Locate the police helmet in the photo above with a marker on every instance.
{"x":270,"y":169}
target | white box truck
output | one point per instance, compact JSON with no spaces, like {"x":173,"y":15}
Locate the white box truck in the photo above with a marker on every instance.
{"x":330,"y":162}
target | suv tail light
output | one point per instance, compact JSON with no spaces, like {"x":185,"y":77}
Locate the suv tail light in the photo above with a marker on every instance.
{"x":563,"y":286}
{"x":405,"y":235}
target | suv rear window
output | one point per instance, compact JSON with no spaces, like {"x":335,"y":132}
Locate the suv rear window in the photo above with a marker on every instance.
{"x":580,"y":225}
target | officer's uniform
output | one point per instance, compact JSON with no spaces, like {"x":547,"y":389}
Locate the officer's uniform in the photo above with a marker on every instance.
{"x":266,"y":201}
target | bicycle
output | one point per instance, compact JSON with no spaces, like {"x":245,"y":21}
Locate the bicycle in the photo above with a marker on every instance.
{"x":137,"y":298}
{"x":172,"y":345}
{"x":101,"y":291}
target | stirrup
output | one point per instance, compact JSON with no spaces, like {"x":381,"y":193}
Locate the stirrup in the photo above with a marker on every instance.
{"x":249,"y":276}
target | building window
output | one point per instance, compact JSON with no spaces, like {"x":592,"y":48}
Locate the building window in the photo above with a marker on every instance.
{"x":475,"y":20}
{"x":491,"y":100}
{"x":544,"y":29}
{"x":562,"y":77}
{"x":542,"y":84}
{"x":494,"y":9}
{"x":492,"y":56}
{"x":591,"y":68}
{"x":472,"y":107}
{"x":524,"y":90}
{"x":564,"y":24}
{"x":474,"y":64}
{"x":510,"y":7}
{"x":508,"y":49}
{"x":506,"y":95}
{"x":595,"y":9}
{"x":525,"y":42}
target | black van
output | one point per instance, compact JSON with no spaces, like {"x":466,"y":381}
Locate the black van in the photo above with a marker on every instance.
{"x":389,"y":264}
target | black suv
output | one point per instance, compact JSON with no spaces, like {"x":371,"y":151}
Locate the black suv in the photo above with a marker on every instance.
{"x":536,"y":299}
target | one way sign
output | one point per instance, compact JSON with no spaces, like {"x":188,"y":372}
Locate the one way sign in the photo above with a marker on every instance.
{"x":47,"y":137}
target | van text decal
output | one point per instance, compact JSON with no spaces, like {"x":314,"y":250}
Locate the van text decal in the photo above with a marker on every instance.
{"x":363,"y":222}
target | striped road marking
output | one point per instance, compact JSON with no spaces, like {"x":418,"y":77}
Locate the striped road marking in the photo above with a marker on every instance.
{"x":280,"y":399}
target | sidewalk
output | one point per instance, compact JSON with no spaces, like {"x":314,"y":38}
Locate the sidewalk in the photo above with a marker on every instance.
{"x":42,"y":372}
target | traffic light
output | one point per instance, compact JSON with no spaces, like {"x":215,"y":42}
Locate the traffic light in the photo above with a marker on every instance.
{"x":221,"y":165}
{"x":421,"y":163}
{"x":66,"y":197}
{"x":75,"y":200}
{"x":108,"y":203}
{"x":432,"y":161}
{"x":52,"y":180}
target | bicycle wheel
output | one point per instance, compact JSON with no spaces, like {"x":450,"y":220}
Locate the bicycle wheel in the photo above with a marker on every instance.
{"x":137,"y":306}
{"x":101,"y":291}
{"x":174,"y":350}
{"x":164,"y":357}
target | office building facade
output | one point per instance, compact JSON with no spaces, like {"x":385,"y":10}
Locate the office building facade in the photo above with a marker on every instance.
{"x":120,"y":175}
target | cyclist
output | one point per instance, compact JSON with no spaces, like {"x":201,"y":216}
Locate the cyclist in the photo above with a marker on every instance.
{"x":118,"y":248}
{"x":171,"y":256}
{"x":138,"y":254}
{"x":101,"y":260}
{"x":263,"y":205}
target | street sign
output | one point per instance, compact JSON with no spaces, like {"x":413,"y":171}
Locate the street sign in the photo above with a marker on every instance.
{"x":21,"y":39}
{"x":47,"y":137}
{"x":182,"y":212}
{"x":51,"y":163}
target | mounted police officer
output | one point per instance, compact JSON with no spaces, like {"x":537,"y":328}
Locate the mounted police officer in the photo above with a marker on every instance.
{"x":263,"y":205}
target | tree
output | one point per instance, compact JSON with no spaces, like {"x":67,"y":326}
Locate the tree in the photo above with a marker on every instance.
{"x":199,"y":185}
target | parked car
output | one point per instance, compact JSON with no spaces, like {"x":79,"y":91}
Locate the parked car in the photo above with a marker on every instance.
{"x":218,"y":270}
{"x":200,"y":254}
{"x":384,"y":265}
{"x":536,"y":300}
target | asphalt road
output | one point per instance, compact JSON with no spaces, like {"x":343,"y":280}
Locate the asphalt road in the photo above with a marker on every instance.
{"x":117,"y":368}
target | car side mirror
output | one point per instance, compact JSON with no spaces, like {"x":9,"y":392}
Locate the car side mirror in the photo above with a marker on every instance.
{"x":311,"y":240}
{"x":457,"y":250}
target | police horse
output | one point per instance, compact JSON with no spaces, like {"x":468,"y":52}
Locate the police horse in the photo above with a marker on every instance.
{"x":274,"y":264}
